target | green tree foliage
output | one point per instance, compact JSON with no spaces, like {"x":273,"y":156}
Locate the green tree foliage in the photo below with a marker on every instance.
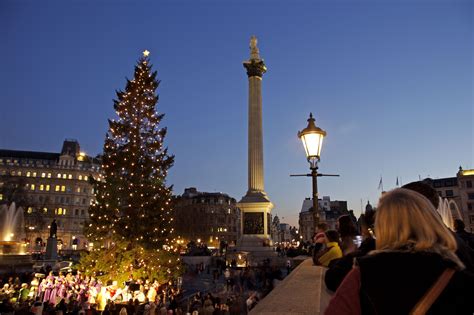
{"x":130,"y":225}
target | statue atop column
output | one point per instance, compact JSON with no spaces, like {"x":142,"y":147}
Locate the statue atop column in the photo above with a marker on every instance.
{"x":254,"y":52}
{"x":54,"y":229}
{"x":255,"y":65}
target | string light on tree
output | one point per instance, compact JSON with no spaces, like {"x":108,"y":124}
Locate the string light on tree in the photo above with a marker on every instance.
{"x":130,"y":222}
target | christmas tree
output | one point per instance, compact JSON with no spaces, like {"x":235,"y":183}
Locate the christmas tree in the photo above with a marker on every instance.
{"x":130,"y":225}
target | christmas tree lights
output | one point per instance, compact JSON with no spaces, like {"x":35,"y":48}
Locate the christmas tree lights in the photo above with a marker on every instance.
{"x":130,"y":225}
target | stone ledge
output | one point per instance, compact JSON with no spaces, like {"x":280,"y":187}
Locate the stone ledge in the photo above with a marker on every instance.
{"x":303,"y":292}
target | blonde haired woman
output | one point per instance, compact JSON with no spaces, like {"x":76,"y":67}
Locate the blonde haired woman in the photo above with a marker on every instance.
{"x":414,"y":258}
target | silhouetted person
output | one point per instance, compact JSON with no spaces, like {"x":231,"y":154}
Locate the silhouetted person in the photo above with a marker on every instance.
{"x":54,"y":229}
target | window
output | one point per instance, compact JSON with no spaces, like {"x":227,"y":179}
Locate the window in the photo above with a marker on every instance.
{"x":86,"y":178}
{"x":34,"y":174}
{"x":69,"y":176}
{"x":63,"y":188}
{"x":1,"y":196}
{"x":77,"y":212}
{"x":49,"y":175}
{"x":28,"y":174}
{"x":30,"y":210}
{"x":471,"y":219}
{"x":449,"y":193}
{"x":80,"y":177}
{"x":78,"y":189}
{"x":19,"y":173}
{"x":83,"y":201}
{"x":59,"y":211}
{"x":470,"y":196}
{"x":57,"y":188}
{"x":41,"y":187}
{"x":47,"y":187}
{"x":45,"y":210}
{"x":469,"y":184}
{"x":32,"y":187}
{"x":12,"y":173}
{"x":59,"y":175}
{"x":82,"y":212}
{"x":469,"y":206}
{"x":43,"y":175}
{"x":64,"y":176}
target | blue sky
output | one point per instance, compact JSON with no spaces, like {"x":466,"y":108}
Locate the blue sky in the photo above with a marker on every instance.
{"x":390,"y":81}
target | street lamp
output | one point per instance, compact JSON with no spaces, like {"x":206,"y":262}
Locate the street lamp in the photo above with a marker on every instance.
{"x":312,"y":138}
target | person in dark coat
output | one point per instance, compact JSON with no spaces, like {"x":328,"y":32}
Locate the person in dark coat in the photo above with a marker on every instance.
{"x":467,"y":237}
{"x":413,"y":249}
{"x":463,"y":251}
{"x":339,"y":268}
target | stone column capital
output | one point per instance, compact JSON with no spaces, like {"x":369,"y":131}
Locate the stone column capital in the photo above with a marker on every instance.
{"x":255,"y":68}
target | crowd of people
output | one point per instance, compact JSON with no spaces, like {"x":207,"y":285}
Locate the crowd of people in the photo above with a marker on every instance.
{"x":400,"y":259}
{"x":78,"y":294}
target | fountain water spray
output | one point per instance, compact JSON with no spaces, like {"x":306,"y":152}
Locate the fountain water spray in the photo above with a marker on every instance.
{"x":12,"y":223}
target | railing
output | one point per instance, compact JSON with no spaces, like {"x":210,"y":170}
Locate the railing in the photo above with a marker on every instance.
{"x":302,"y":292}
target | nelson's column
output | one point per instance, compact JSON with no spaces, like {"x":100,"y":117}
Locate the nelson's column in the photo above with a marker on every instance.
{"x":255,"y":206}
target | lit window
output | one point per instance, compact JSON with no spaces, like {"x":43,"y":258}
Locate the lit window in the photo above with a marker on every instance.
{"x":1,"y":196}
{"x":63,"y":188}
{"x":34,"y":174}
{"x":85,"y":178}
{"x":43,"y":175}
{"x":30,"y":210}
{"x":12,"y":173}
{"x":59,"y":211}
{"x":32,"y":187}
{"x":49,"y":175}
{"x":59,"y":175}
{"x":28,"y":174}
{"x":69,"y":176}
{"x":80,"y":177}
{"x":41,"y":187}
{"x":64,"y":176}
{"x":19,"y":173}
{"x":57,"y":188}
{"x":78,"y":189}
{"x":64,"y":211}
{"x":47,"y":187}
{"x":45,"y":210}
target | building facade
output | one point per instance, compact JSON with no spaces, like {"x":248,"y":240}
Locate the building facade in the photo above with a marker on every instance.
{"x":206,"y":217}
{"x":329,"y":211}
{"x":460,"y":190}
{"x":50,"y":186}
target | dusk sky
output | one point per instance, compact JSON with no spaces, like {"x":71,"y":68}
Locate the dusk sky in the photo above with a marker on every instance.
{"x":390,"y":81}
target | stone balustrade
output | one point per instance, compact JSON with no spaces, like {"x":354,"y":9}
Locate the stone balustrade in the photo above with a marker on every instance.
{"x":302,"y":292}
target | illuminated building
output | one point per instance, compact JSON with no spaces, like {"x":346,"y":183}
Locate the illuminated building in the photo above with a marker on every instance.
{"x":209,"y":217}
{"x":50,"y":186}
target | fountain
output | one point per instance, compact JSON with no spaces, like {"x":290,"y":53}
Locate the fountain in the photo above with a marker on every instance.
{"x":13,"y":254}
{"x":448,"y":210}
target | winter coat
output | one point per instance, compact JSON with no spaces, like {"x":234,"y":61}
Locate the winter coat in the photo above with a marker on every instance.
{"x":393,"y":281}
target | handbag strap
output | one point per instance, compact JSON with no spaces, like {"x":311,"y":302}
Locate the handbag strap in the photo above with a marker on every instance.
{"x":432,"y":294}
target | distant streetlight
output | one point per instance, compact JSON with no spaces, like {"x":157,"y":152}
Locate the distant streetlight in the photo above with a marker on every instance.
{"x":312,"y":138}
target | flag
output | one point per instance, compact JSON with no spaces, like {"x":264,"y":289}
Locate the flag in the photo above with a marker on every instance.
{"x":380,"y":183}
{"x":397,"y":181}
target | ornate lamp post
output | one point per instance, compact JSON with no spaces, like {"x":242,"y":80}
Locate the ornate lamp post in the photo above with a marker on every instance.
{"x":312,"y":138}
